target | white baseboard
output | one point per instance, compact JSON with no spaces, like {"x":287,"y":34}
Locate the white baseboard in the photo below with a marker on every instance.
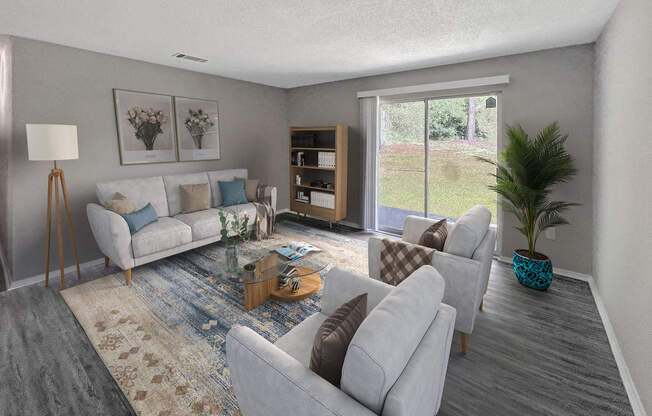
{"x":556,"y":270}
{"x":625,"y":375}
{"x":623,"y":369}
{"x":54,"y":274}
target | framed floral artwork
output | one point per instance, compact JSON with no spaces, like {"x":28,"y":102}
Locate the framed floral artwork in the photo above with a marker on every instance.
{"x":198,"y":132}
{"x":145,"y":126}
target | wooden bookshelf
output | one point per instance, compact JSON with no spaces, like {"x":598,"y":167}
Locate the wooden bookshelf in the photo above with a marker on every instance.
{"x":310,"y":141}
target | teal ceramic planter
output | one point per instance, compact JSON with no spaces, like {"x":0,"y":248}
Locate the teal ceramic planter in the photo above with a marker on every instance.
{"x":533,"y":273}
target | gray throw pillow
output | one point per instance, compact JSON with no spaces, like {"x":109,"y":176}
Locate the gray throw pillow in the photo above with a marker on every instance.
{"x":119,"y":204}
{"x":251,"y":188}
{"x":194,"y":197}
{"x":333,"y":338}
{"x":435,"y":236}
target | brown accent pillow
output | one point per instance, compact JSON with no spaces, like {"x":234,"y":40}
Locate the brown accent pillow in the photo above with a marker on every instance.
{"x":251,"y":188}
{"x":333,"y":338}
{"x":120,"y":204}
{"x":435,"y":236}
{"x":194,"y":197}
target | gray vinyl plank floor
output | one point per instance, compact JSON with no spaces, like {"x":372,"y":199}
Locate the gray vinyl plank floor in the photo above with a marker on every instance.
{"x":47,"y":364}
{"x":531,"y":353}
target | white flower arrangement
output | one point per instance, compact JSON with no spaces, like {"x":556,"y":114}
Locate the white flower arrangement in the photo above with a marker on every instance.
{"x":198,"y":124}
{"x":147,"y":123}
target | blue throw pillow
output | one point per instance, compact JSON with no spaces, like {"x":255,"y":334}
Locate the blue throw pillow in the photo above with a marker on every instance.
{"x":138,"y":219}
{"x":233,"y":192}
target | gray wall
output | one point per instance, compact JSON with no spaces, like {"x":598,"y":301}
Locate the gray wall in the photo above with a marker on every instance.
{"x":57,"y":84}
{"x":622,"y":247}
{"x":5,"y":150}
{"x":545,"y":86}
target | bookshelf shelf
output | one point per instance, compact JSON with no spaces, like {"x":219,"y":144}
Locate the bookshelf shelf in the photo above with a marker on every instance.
{"x":311,"y":140}
{"x":316,"y":188}
{"x":311,"y":167}
{"x":323,"y":149}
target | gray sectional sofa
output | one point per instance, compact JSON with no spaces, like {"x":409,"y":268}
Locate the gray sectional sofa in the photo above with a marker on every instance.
{"x":395,"y":364}
{"x":174,"y":232}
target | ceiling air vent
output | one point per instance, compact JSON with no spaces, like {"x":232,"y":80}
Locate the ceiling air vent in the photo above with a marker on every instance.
{"x":189,"y":57}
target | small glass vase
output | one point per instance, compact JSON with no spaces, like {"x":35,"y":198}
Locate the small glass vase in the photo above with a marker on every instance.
{"x":232,"y":258}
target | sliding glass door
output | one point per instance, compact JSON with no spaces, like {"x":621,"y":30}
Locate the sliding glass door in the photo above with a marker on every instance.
{"x":427,"y":158}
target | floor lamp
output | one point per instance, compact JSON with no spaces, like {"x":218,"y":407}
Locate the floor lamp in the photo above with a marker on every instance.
{"x":54,"y":142}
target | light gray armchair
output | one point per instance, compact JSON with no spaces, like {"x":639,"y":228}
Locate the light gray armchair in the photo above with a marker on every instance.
{"x":464,"y":264}
{"x":391,"y":368}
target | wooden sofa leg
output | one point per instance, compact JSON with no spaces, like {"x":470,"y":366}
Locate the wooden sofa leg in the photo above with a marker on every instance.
{"x":128,"y":277}
{"x":465,"y":343}
{"x":106,"y":261}
{"x":481,"y":304}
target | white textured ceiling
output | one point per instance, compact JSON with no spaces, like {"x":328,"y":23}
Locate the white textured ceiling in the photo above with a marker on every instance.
{"x":288,"y":43}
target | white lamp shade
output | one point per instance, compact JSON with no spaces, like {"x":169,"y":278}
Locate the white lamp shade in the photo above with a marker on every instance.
{"x":51,"y":141}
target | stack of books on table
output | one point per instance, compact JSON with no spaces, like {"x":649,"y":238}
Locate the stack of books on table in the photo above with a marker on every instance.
{"x":322,"y":199}
{"x":326,"y":159}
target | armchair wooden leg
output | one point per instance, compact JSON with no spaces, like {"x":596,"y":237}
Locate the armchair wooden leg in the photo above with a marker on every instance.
{"x":481,"y":304}
{"x":128,"y":277}
{"x":465,"y":343}
{"x":106,"y":261}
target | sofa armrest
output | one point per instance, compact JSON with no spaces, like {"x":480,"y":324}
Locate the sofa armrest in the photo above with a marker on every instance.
{"x":341,"y":286}
{"x":269,"y":382}
{"x":112,"y":235}
{"x":464,"y":285}
{"x":374,"y":246}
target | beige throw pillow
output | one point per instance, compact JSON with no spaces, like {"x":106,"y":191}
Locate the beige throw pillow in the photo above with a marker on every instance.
{"x":194,"y":197}
{"x":251,"y":188}
{"x":435,"y":236}
{"x":119,"y":204}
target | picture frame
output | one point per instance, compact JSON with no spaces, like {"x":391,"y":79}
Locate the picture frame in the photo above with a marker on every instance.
{"x":198,"y":129}
{"x":145,"y":126}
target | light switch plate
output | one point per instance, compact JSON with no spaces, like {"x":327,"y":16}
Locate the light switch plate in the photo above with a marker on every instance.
{"x":551,"y":233}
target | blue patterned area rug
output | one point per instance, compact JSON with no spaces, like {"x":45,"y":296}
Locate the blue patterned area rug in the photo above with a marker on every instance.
{"x":163,"y":338}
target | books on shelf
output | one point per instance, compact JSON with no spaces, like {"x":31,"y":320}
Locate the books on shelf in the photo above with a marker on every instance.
{"x":302,"y":197}
{"x":326,"y":159}
{"x":322,"y":199}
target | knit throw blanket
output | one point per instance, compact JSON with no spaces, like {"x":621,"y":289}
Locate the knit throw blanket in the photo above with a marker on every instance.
{"x":399,"y":259}
{"x":265,"y":216}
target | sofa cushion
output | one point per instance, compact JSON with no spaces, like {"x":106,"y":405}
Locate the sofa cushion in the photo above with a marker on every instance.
{"x":204,"y":224}
{"x":173,"y":191}
{"x":298,"y":342}
{"x":138,"y":219}
{"x":140,"y":192}
{"x":162,"y":235}
{"x":223,"y":175}
{"x":120,"y":204}
{"x":251,"y":188}
{"x":333,"y":338}
{"x":195,"y":197}
{"x":242,"y":209}
{"x":468,"y":232}
{"x":435,"y":236}
{"x":384,"y":343}
{"x":233,"y":192}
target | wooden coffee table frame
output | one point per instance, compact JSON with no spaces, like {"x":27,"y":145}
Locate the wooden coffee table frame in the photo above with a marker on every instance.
{"x":255,"y":294}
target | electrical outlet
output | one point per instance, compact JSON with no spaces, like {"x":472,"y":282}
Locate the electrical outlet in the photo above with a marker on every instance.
{"x":551,"y":233}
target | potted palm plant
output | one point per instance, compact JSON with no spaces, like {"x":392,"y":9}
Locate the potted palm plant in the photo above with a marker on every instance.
{"x":524,"y":180}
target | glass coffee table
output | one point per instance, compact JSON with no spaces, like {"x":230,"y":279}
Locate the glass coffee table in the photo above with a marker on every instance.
{"x":267,"y":278}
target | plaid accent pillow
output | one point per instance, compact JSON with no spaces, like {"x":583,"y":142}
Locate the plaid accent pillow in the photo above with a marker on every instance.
{"x":398,"y":260}
{"x":435,"y":236}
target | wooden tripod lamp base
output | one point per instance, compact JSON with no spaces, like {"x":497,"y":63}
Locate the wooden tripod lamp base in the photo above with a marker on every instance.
{"x":56,"y":177}
{"x":55,"y":142}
